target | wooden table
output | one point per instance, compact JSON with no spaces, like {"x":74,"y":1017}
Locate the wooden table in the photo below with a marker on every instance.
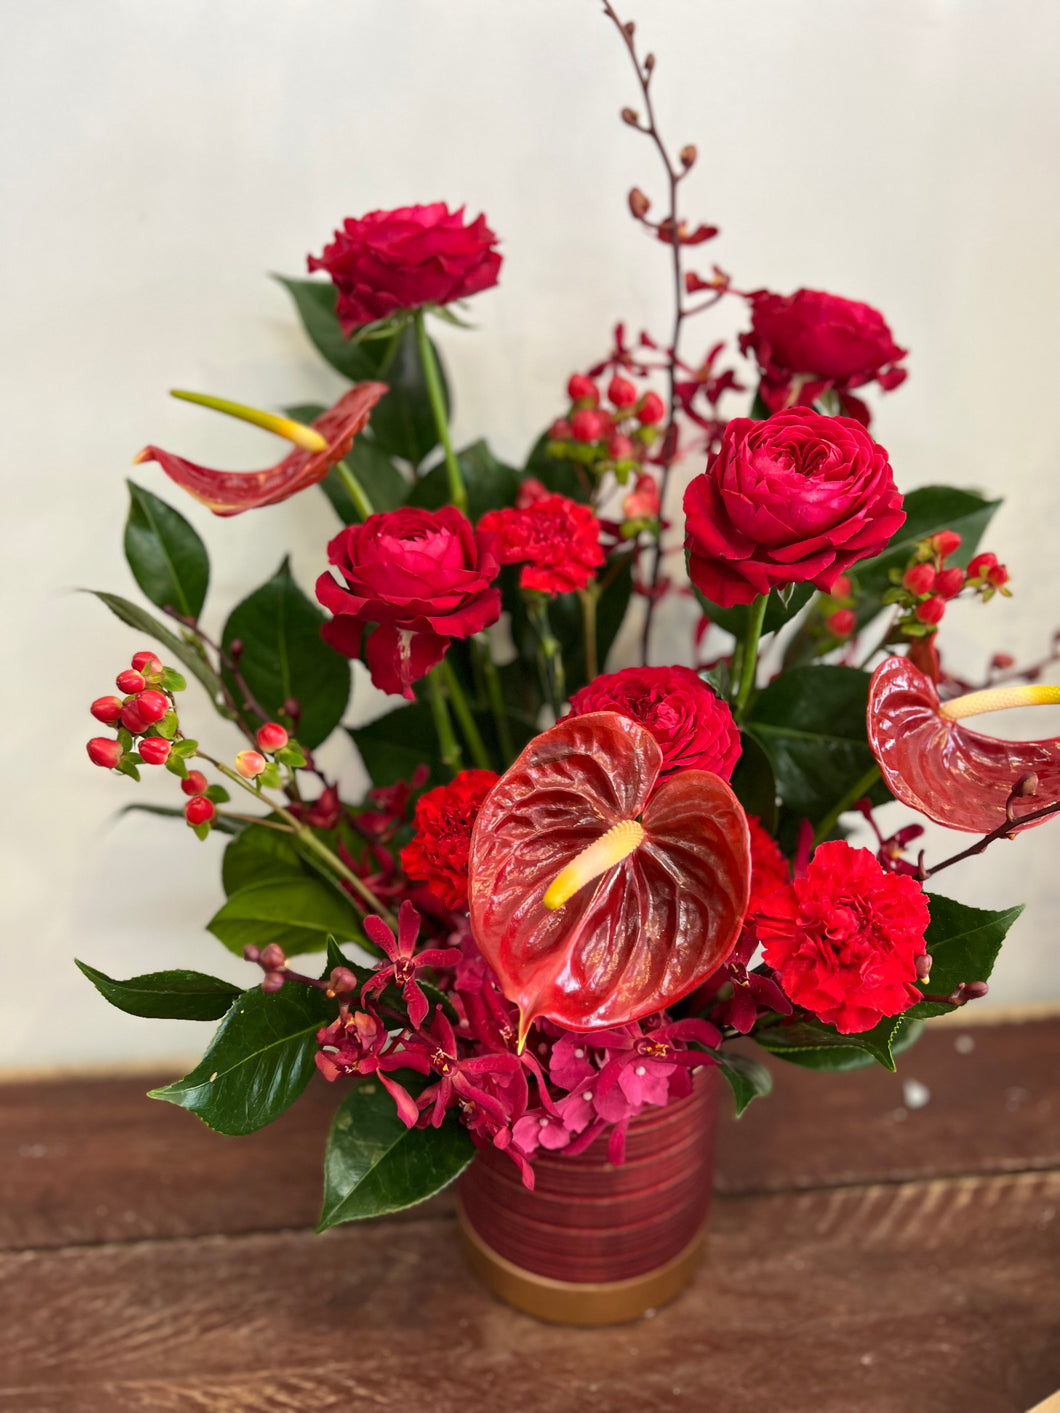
{"x":870,"y":1253}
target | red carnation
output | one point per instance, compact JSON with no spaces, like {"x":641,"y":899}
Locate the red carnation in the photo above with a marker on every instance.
{"x":797,"y":497}
{"x":422,"y":576}
{"x":769,"y":868}
{"x":808,"y":342}
{"x":693,"y":726}
{"x":844,"y":939}
{"x":389,"y":261}
{"x":443,"y":821}
{"x":557,"y":540}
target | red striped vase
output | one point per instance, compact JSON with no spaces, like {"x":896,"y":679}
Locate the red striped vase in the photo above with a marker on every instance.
{"x":596,"y":1244}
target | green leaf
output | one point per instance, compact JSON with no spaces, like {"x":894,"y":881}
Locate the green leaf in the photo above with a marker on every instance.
{"x":220,"y":825}
{"x":489,"y":483}
{"x":379,"y":478}
{"x":172,"y":681}
{"x":782,"y":607}
{"x":393,"y":746}
{"x":217,"y":794}
{"x":259,"y":1061}
{"x":402,"y":421}
{"x":259,"y":855}
{"x":557,"y":473}
{"x":817,"y":1046}
{"x":284,"y":656}
{"x":747,"y":1078}
{"x":143,"y":622}
{"x":315,"y":301}
{"x":754,"y":784}
{"x":964,"y":943}
{"x":374,"y":1164}
{"x":166,"y":555}
{"x":298,"y":913}
{"x":166,"y":995}
{"x":811,"y":723}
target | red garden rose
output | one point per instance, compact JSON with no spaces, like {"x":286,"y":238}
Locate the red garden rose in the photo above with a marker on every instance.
{"x":422,"y":576}
{"x":797,"y":497}
{"x":769,"y":868}
{"x":693,"y":726}
{"x":393,"y":260}
{"x":443,"y":822}
{"x":557,"y":539}
{"x":844,"y":939}
{"x":808,"y":342}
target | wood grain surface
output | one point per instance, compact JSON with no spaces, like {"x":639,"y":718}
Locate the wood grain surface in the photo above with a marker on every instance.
{"x":872,"y":1250}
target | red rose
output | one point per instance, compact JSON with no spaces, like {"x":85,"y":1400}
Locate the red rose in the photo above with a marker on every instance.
{"x":423,"y":576}
{"x":443,"y":821}
{"x":558,"y":540}
{"x":693,"y":726}
{"x":393,"y":260}
{"x":797,"y":497}
{"x":844,"y":939}
{"x":769,"y":868}
{"x":809,"y":341}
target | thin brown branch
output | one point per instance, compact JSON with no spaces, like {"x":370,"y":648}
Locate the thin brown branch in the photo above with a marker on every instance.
{"x":1008,"y":830}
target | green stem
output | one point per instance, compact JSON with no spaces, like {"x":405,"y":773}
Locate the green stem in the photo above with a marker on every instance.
{"x":853,"y":795}
{"x":755,"y":619}
{"x":480,"y":646}
{"x":588,"y":597}
{"x":432,"y":378}
{"x":550,"y":654}
{"x":355,"y":490}
{"x":451,"y":757}
{"x":462,"y":712}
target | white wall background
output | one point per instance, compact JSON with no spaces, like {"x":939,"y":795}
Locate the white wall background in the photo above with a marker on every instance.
{"x":160,"y":158}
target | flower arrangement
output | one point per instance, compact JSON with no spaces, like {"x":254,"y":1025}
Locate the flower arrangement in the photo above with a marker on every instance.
{"x":569,"y":888}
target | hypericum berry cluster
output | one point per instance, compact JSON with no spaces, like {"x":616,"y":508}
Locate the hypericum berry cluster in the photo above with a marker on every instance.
{"x":273,"y":740}
{"x":613,"y":438}
{"x":144,"y":717}
{"x":838,"y":604}
{"x":923,"y":589}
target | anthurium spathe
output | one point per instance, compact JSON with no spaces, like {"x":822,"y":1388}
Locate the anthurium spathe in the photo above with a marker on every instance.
{"x":956,"y":776}
{"x":317,"y":448}
{"x":597,"y":894}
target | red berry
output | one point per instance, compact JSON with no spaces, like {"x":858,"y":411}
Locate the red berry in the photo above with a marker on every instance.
{"x":981,"y":564}
{"x":997,"y":576}
{"x":619,"y":447}
{"x":931,"y":610}
{"x":132,"y":719}
{"x":841,"y":587}
{"x":199,"y":810}
{"x":1002,"y":660}
{"x":130,"y":681}
{"x":919,"y":578}
{"x":154,"y":750}
{"x":104,"y":751}
{"x":652,"y":409}
{"x":560,"y":430}
{"x":152,"y":705}
{"x":945,"y":542}
{"x":194,"y":783}
{"x":842,"y":622}
{"x":949,"y":582}
{"x":621,"y":392}
{"x":582,"y":389}
{"x":587,"y":425}
{"x":272,"y":737}
{"x":250,"y":763}
{"x":147,"y":663}
{"x":107,"y":710}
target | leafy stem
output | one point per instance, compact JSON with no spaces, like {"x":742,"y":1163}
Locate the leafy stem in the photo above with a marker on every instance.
{"x":853,"y":795}
{"x":355,"y":490}
{"x":755,"y":619}
{"x":483,"y":656}
{"x":432,"y":378}
{"x":462,"y":712}
{"x":443,"y":725}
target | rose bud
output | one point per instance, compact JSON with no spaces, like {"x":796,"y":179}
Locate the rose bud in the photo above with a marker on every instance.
{"x":560,"y":431}
{"x":621,"y":392}
{"x":841,"y":587}
{"x":842,"y":622}
{"x":587,"y":425}
{"x":272,"y":981}
{"x":945,"y":542}
{"x":130,"y":681}
{"x":154,"y":750}
{"x":931,"y":610}
{"x":981,"y":565}
{"x":152,"y":705}
{"x":619,"y":447}
{"x":105,"y":752}
{"x":273,"y":957}
{"x":582,"y":389}
{"x":147,"y":663}
{"x":132,"y":719}
{"x":250,"y":764}
{"x":272,"y":736}
{"x":652,"y":409}
{"x":107,"y":710}
{"x":919,"y":578}
{"x":949,"y":582}
{"x":200,"y":810}
{"x":194,"y":783}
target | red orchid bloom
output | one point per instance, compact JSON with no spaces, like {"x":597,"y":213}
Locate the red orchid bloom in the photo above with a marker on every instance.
{"x":231,"y":492}
{"x":490,"y":1089}
{"x":669,"y":866}
{"x":955,"y":776}
{"x":357,"y":1043}
{"x":405,"y":961}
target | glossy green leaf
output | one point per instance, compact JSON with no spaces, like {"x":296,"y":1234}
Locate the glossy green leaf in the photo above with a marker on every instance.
{"x":259,"y":855}
{"x":298,"y":913}
{"x":754,"y":784}
{"x":817,"y":1046}
{"x":811,"y":723}
{"x":220,"y":825}
{"x":392,"y":746}
{"x":402,"y":422}
{"x":138,"y":618}
{"x":284,"y":656}
{"x":166,"y":555}
{"x":374,"y":1164}
{"x":747,"y":1078}
{"x":259,"y":1061}
{"x":488,"y":482}
{"x":315,"y":301}
{"x":964,"y":943}
{"x":782,"y":607}
{"x":166,"y":995}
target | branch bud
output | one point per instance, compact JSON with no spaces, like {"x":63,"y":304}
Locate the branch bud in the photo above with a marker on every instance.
{"x":639,"y":204}
{"x":688,"y":155}
{"x":631,"y":116}
{"x":649,"y":63}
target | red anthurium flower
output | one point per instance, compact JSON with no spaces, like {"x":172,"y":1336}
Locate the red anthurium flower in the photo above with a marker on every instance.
{"x":955,"y":776}
{"x":231,"y":492}
{"x":596,"y":897}
{"x":404,"y":961}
